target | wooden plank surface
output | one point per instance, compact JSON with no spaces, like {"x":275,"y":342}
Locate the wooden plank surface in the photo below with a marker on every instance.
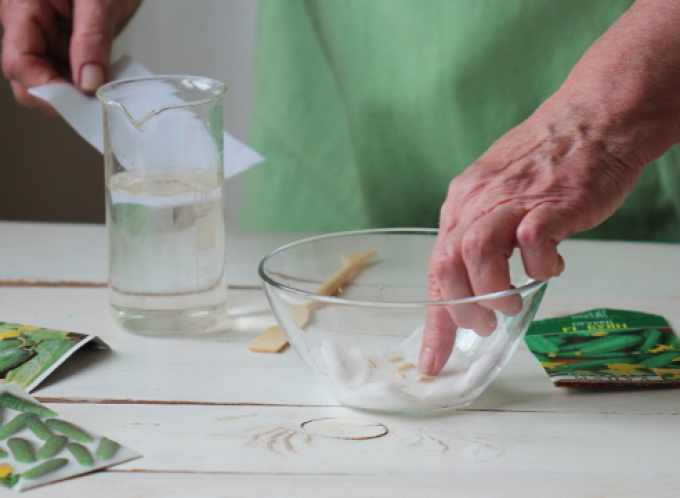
{"x":508,"y":483}
{"x":75,"y":254}
{"x":213,"y":419}
{"x":203,"y":369}
{"x":274,"y":440}
{"x":61,"y":252}
{"x":461,"y":454}
{"x":53,"y":252}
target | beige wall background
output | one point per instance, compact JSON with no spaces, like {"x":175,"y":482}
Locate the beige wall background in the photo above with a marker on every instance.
{"x":48,"y":173}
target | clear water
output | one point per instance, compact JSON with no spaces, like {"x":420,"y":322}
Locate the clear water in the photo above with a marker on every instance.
{"x":166,"y":243}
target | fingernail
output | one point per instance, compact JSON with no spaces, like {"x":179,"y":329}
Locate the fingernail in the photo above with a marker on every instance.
{"x":427,"y":359}
{"x":91,"y":77}
{"x":560,"y":265}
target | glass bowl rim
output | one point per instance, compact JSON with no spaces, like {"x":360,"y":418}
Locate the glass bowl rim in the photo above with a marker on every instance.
{"x":534,"y":284}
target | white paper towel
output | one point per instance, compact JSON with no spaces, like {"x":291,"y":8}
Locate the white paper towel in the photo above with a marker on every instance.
{"x":84,"y":114}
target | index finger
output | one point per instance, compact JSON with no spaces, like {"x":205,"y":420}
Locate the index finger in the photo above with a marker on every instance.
{"x":25,"y":57}
{"x":439,"y":334}
{"x":448,"y":281}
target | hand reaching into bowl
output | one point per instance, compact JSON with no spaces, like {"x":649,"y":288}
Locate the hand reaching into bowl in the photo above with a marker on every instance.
{"x":566,"y":169}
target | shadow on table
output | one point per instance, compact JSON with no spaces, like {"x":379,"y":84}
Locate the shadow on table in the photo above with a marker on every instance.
{"x":84,"y":358}
{"x":505,"y":397}
{"x":249,"y":315}
{"x":599,"y":391}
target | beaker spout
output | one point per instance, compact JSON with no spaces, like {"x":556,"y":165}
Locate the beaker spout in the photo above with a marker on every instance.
{"x":138,"y":123}
{"x":141,"y":99}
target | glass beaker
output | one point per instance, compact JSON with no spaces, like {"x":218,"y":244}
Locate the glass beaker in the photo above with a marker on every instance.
{"x":163,"y":156}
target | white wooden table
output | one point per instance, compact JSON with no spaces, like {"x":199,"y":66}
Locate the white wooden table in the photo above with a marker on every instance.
{"x":213,"y":419}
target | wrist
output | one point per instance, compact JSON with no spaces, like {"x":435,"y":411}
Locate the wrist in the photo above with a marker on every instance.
{"x":623,"y":91}
{"x":570,"y":123}
{"x":633,"y":120}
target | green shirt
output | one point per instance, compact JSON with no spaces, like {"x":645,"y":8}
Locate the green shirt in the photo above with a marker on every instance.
{"x":366,"y":109}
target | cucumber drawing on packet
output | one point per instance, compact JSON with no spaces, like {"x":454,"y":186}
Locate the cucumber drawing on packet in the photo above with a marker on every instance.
{"x":38,"y":447}
{"x":607,"y":347}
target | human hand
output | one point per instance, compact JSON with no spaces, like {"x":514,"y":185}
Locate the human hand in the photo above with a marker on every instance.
{"x":48,"y":41}
{"x":546,"y":179}
{"x":567,"y":168}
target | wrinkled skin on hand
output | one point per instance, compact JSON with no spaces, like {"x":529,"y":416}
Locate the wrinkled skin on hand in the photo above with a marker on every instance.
{"x":543,"y":181}
{"x":49,"y":41}
{"x":566,"y":169}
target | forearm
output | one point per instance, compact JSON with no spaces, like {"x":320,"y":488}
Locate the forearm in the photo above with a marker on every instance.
{"x":565,"y":169}
{"x":624,"y":93}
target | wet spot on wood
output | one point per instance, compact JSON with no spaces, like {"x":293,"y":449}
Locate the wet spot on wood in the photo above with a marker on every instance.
{"x":345,"y":428}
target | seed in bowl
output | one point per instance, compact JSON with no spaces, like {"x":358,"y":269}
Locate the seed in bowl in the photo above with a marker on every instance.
{"x":425,"y":378}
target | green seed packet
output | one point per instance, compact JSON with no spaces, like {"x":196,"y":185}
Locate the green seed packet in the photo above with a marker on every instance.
{"x":607,"y":347}
{"x":29,"y":354}
{"x":38,"y":447}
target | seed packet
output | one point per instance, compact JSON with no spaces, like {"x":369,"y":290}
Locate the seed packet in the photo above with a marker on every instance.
{"x":29,"y":354}
{"x":38,"y":447}
{"x":607,"y":347}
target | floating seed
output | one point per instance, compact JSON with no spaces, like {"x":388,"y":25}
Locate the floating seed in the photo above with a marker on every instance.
{"x":394,"y":359}
{"x":399,"y":375}
{"x":404,"y":366}
{"x":370,"y":362}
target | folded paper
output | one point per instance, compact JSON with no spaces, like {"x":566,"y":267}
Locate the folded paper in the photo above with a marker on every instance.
{"x":84,"y":114}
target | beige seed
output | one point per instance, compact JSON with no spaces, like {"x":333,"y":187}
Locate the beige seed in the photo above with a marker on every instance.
{"x":301,"y":314}
{"x":394,"y":359}
{"x":353,"y":265}
{"x":425,"y":378}
{"x":404,"y":366}
{"x":399,"y":375}
{"x":272,"y":340}
{"x":370,"y":362}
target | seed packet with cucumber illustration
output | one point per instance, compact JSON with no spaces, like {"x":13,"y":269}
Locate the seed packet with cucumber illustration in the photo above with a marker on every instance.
{"x":29,"y":354}
{"x":38,"y":447}
{"x":607,"y":347}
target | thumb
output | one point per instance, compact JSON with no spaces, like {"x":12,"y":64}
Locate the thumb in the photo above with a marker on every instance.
{"x":91,"y":42}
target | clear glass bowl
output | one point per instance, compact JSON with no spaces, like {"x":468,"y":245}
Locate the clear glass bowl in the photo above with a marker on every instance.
{"x":365,"y":340}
